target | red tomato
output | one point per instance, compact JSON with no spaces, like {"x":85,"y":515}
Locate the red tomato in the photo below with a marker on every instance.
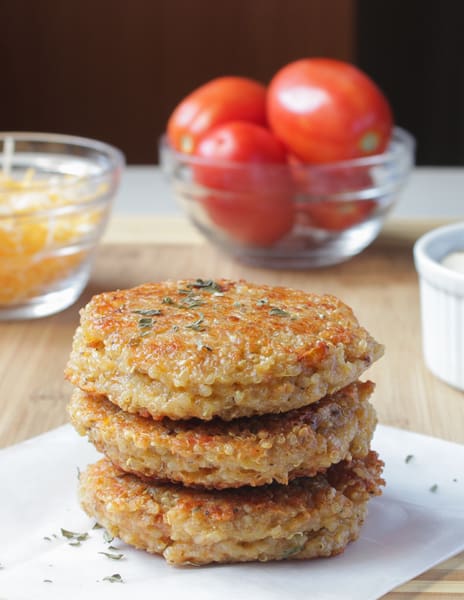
{"x":333,"y":215}
{"x":246,"y":144}
{"x":219,"y":101}
{"x":325,"y":110}
{"x":247,"y":168}
{"x":338,"y":215}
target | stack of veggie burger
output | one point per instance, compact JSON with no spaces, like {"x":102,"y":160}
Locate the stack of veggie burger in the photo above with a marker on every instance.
{"x":232,"y":419}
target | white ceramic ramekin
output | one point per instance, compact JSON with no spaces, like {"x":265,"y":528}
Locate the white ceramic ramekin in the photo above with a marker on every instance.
{"x":442,"y":303}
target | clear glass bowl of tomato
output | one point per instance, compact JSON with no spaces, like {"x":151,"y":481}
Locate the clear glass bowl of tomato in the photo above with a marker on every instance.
{"x":294,"y":215}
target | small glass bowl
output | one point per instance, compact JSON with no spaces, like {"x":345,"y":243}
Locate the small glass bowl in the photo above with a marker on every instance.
{"x":293,"y":216}
{"x":55,"y":198}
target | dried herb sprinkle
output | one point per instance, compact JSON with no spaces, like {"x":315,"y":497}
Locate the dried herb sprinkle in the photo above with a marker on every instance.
{"x":279,"y":312}
{"x":107,"y":537}
{"x":206,"y":284}
{"x":112,"y":556}
{"x":72,"y":535}
{"x":197,"y":325}
{"x":116,"y":578}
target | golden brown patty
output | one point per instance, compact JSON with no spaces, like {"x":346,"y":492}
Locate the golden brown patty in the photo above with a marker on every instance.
{"x":308,"y":518}
{"x":219,"y":454}
{"x":229,"y":349}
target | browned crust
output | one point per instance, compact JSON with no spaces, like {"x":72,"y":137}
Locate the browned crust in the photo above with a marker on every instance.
{"x":231,"y":349}
{"x":217,"y":454}
{"x":310,"y":517}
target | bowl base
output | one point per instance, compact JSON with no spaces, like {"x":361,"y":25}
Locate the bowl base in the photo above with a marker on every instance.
{"x":291,"y":262}
{"x":305,"y":249}
{"x":48,"y":303}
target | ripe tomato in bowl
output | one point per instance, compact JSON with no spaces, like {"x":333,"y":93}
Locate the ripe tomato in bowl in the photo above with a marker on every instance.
{"x":328,"y":196}
{"x":244,"y":168}
{"x":326,"y":110}
{"x":219,"y":101}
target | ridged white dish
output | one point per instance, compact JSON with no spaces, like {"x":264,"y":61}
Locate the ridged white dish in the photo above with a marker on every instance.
{"x":442,"y":303}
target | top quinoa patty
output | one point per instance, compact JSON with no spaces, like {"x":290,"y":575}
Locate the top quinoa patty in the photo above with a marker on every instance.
{"x":200,"y":348}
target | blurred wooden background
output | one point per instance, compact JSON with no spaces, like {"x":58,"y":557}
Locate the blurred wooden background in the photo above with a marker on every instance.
{"x":115,"y":69}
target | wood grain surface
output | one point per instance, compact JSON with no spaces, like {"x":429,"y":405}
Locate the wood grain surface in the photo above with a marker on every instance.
{"x":380,"y":285}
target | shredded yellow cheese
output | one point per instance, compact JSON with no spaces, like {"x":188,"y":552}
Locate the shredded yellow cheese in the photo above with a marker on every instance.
{"x":40,"y":244}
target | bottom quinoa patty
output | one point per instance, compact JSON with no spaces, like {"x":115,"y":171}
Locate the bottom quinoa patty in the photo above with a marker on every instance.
{"x":227,"y":454}
{"x":311,"y":517}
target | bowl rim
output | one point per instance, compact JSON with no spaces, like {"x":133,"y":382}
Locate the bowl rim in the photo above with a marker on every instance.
{"x":434,"y":245}
{"x":402,"y":145}
{"x":116,"y":162}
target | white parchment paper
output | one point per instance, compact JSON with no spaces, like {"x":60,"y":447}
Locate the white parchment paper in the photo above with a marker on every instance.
{"x":417,"y":523}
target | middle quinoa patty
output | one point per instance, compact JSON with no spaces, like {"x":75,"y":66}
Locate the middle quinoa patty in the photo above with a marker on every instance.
{"x":218,"y":454}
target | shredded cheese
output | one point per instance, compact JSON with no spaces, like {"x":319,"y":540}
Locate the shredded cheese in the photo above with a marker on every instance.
{"x":46,"y":229}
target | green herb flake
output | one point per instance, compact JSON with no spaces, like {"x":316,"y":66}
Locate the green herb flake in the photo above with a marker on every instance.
{"x":78,"y":473}
{"x":49,"y":539}
{"x":278,"y":312}
{"x":152,"y":312}
{"x":47,"y":581}
{"x":112,"y":548}
{"x":409,"y":458}
{"x":197,"y":325}
{"x":167,"y":300}
{"x":191,"y":302}
{"x":107,"y":537}
{"x":112,"y":556}
{"x":116,"y":578}
{"x":76,"y":543}
{"x":145,"y":325}
{"x":206,"y":284}
{"x":97,"y":526}
{"x":433,"y":488}
{"x":145,"y":322}
{"x":72,"y":535}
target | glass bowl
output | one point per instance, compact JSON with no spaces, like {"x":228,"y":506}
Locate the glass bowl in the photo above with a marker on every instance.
{"x":55,"y":198}
{"x":293,"y":216}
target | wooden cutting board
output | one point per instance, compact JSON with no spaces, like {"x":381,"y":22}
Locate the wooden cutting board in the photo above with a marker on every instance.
{"x":380,"y":285}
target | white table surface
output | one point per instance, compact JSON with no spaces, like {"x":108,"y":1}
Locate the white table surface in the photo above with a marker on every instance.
{"x":431,"y":192}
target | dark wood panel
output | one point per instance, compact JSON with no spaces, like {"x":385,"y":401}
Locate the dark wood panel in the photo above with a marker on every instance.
{"x":114,"y":69}
{"x":415,"y":50}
